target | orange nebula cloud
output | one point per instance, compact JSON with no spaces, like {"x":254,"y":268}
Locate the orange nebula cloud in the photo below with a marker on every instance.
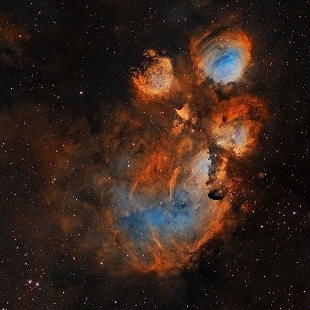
{"x":10,"y":33}
{"x":168,"y":191}
{"x":237,"y":123}
{"x":156,"y":78}
{"x":151,"y":182}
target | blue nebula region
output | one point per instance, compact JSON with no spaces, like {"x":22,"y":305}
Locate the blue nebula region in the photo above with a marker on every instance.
{"x":169,"y":219}
{"x":223,"y":65}
{"x":226,"y":66}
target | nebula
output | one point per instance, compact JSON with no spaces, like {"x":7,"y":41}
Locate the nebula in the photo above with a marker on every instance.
{"x":11,"y":39}
{"x":159,"y":180}
{"x":237,"y":123}
{"x":156,"y":76}
{"x":222,"y":56}
{"x":154,"y":155}
{"x":166,"y":220}
{"x":170,"y":183}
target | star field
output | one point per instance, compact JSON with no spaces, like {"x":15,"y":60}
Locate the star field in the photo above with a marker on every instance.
{"x":145,"y":166}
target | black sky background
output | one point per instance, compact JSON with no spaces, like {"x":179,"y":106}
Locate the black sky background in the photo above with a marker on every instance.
{"x":88,"y":47}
